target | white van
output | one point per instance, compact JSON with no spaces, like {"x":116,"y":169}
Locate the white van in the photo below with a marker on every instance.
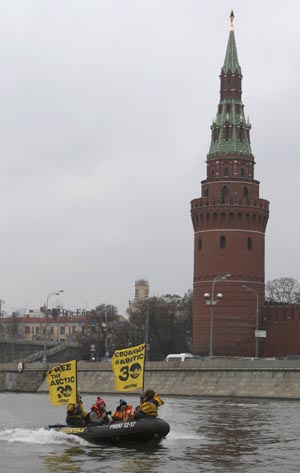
{"x":178,"y":357}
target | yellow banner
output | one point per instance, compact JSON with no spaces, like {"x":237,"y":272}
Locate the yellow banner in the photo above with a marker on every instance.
{"x":128,"y":368}
{"x":62,"y":383}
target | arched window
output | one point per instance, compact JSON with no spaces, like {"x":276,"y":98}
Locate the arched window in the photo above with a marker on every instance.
{"x":242,"y":172}
{"x":215,"y":134}
{"x":245,"y":192}
{"x":224,"y":194}
{"x":240,"y":133}
{"x":223,"y":242}
{"x":226,"y":133}
{"x":215,"y":219}
{"x":226,"y":172}
{"x":249,"y":243}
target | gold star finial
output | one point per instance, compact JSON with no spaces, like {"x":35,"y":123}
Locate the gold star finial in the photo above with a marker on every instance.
{"x":231,"y":20}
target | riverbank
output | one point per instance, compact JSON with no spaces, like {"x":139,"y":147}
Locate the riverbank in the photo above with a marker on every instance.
{"x":212,"y":377}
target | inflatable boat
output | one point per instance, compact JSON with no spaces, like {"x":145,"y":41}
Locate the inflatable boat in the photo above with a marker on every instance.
{"x":139,"y":431}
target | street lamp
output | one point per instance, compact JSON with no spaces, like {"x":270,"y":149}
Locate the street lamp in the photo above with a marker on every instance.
{"x":210,"y":301}
{"x":54,"y":293}
{"x":253,"y":291}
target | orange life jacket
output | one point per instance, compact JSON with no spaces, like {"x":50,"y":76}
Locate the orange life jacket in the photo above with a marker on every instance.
{"x":124,"y":415}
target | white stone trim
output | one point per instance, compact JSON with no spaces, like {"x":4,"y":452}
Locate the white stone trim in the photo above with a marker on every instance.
{"x":234,"y":182}
{"x":229,"y":230}
{"x":237,"y":281}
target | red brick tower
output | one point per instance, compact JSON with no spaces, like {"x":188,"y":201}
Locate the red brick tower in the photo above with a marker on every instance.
{"x":229,"y":221}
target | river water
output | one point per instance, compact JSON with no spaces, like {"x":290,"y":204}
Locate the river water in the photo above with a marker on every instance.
{"x":207,"y":435}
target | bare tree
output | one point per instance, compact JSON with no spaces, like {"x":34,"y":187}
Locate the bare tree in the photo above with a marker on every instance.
{"x":283,"y":291}
{"x":168,"y":320}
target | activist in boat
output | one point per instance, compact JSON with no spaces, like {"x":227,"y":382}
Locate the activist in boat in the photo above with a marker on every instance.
{"x":77,"y":415}
{"x":128,"y":368}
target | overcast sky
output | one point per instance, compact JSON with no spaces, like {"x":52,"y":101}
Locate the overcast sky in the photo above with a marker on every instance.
{"x":105,"y":114}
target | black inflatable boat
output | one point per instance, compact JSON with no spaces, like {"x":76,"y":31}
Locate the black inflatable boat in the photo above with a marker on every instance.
{"x":139,"y":431}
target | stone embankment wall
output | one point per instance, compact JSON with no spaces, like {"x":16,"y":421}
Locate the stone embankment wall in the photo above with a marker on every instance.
{"x":214,"y":377}
{"x":33,"y":350}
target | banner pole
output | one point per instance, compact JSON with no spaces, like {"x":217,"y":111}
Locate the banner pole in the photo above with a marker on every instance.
{"x":144,"y":362}
{"x":76,"y":388}
{"x":146,"y":342}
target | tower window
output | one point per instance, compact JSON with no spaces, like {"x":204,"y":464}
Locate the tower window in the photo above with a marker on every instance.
{"x":212,"y":173}
{"x":226,"y":172}
{"x":223,"y":242}
{"x":242,"y":172}
{"x":245,"y":192}
{"x":226,"y":133}
{"x":224,"y":194}
{"x":199,"y":244}
{"x":215,"y":134}
{"x":240,"y":133}
{"x":249,"y":243}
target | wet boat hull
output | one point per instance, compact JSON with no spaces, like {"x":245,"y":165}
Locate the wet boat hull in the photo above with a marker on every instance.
{"x":140,"y":431}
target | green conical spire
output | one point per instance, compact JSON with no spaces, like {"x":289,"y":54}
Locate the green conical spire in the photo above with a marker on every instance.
{"x":231,"y":59}
{"x":230,"y":130}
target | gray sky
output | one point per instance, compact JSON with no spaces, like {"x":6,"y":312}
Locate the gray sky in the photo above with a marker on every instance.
{"x":104,"y":130}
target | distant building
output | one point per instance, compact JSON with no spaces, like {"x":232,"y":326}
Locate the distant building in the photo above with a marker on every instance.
{"x":141,"y":290}
{"x":141,"y":293}
{"x":33,"y":328}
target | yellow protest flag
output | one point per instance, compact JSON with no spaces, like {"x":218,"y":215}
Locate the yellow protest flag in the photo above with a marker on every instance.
{"x":128,"y":367}
{"x":62,"y":383}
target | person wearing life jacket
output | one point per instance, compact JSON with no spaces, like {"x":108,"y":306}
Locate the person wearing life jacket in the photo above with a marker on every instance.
{"x":99,"y":414}
{"x":149,"y":405}
{"x":123,"y":411}
{"x":76,"y":414}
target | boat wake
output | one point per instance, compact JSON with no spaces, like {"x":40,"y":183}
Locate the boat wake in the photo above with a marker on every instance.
{"x":177,"y":435}
{"x":40,"y":437}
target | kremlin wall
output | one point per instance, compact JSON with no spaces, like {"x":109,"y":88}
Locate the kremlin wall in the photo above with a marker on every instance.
{"x":213,"y":377}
